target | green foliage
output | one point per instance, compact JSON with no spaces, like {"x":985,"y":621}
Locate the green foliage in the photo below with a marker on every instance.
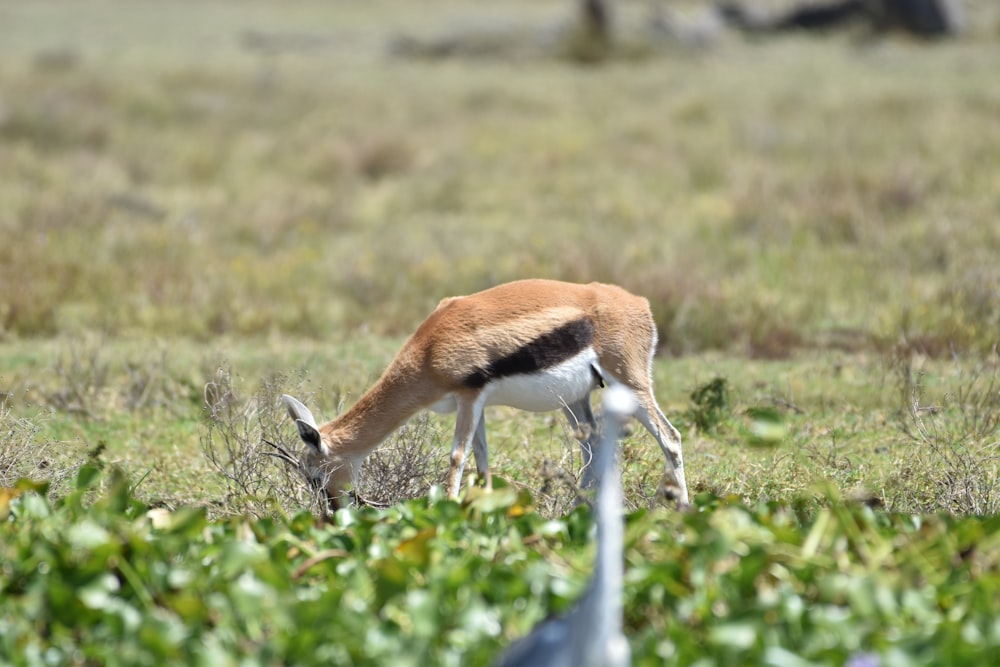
{"x":710,"y":404}
{"x":711,"y":410}
{"x":434,"y":581}
{"x":761,"y":586}
{"x":766,"y":428}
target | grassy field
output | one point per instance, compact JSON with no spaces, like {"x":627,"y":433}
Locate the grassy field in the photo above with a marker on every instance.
{"x":171,"y":180}
{"x":218,"y":203}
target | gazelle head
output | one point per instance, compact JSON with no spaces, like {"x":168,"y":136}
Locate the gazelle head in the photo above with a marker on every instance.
{"x":325,"y":471}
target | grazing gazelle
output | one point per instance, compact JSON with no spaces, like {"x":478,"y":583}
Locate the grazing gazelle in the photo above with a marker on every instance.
{"x":536,"y":345}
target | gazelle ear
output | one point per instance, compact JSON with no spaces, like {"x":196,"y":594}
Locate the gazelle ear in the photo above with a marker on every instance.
{"x":304,"y":421}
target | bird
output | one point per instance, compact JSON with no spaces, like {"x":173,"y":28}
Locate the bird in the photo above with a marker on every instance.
{"x":590,"y":635}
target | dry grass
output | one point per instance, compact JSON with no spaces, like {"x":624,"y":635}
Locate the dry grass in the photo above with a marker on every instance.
{"x":242,"y":436}
{"x":26,"y":454}
{"x":765,"y":196}
{"x":836,"y":417}
{"x":239,"y":442}
{"x":407,"y":465}
{"x":954,"y":435}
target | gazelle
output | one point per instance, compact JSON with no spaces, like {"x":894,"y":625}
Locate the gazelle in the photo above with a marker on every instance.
{"x":536,"y":345}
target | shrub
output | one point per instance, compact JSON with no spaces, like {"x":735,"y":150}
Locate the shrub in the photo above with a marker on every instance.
{"x":406,"y":466}
{"x":24,"y":454}
{"x":250,"y":443}
{"x":235,"y":442}
{"x":956,"y":433}
{"x":709,"y":404}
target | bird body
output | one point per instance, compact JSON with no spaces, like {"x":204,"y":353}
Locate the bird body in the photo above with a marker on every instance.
{"x":590,"y":635}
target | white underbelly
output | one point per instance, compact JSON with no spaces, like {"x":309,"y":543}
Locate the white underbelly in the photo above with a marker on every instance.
{"x":549,"y":389}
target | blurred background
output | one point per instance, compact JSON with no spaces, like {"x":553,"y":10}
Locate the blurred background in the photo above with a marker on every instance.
{"x":774,"y":175}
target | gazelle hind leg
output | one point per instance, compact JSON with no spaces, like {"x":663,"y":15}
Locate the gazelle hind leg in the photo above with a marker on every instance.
{"x":481,"y":452}
{"x":470,"y":414}
{"x":669,"y":439}
{"x":581,"y":419}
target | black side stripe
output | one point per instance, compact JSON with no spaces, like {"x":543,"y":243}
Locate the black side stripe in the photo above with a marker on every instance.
{"x":547,"y":350}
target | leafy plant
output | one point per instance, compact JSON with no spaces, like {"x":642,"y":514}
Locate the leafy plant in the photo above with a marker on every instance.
{"x":709,"y":404}
{"x":433,"y":581}
{"x":766,"y":428}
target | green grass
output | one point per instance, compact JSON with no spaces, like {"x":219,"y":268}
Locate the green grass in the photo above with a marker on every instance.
{"x":843,"y":418}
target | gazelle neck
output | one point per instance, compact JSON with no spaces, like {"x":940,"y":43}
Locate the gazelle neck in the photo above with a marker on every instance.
{"x":393,"y":399}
